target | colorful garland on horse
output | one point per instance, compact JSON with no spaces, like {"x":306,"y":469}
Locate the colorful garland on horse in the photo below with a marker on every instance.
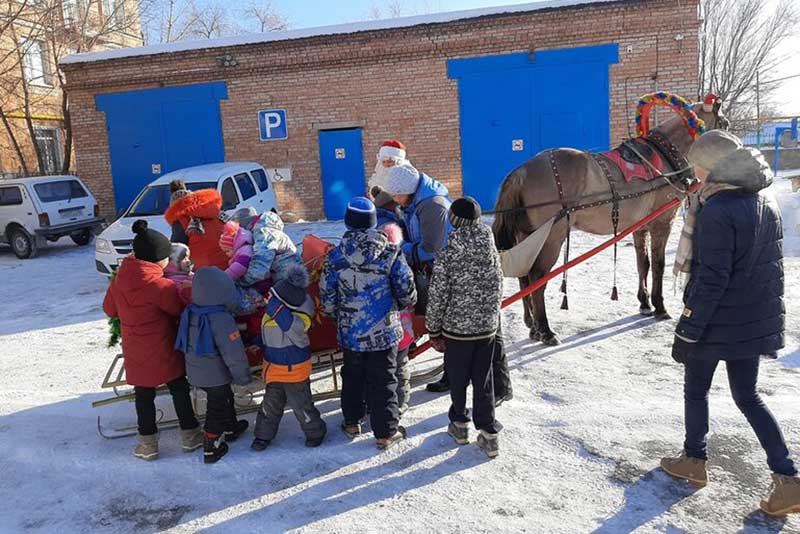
{"x":681,"y":106}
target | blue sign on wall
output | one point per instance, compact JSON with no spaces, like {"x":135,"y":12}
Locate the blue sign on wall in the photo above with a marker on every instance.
{"x":272,"y":124}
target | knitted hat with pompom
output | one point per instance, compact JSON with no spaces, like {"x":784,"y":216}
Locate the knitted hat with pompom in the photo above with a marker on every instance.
{"x":292,"y":289}
{"x":150,"y":245}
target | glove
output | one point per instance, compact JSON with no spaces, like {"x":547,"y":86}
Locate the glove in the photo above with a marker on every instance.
{"x":680,"y":350}
{"x":438,"y":344}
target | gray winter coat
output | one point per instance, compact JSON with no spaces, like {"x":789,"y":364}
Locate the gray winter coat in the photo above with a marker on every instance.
{"x":212,"y":287}
{"x":467,"y":286}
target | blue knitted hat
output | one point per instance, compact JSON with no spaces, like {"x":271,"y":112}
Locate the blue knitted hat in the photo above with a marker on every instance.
{"x":360,"y":214}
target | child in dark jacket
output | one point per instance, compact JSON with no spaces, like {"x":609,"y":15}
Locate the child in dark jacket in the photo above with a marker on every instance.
{"x":287,"y":361}
{"x":215,"y":356}
{"x":364,"y":285}
{"x":148,"y":306}
{"x":463,"y":318}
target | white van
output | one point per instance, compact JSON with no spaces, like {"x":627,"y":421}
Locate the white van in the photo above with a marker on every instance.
{"x":39,"y":209}
{"x":241,"y":184}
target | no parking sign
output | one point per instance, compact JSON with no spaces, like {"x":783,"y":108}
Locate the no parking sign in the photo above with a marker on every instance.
{"x":272,"y":125}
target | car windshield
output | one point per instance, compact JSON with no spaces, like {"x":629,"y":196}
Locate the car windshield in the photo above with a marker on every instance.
{"x":61,"y":190}
{"x":154,"y":200}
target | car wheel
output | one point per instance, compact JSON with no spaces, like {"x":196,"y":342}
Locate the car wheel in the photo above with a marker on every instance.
{"x":82,"y":237}
{"x":22,"y":244}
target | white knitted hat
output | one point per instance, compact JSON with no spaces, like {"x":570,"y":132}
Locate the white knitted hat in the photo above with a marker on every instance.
{"x":402,"y":180}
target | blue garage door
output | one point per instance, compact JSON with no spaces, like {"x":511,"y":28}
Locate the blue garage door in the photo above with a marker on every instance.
{"x":514,"y":106}
{"x":155,"y":131}
{"x":341,"y":159}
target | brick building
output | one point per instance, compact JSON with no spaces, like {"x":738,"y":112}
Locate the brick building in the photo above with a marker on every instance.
{"x":472,"y":94}
{"x":34,"y":37}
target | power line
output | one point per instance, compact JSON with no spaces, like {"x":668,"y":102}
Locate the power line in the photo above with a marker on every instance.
{"x":781,"y":79}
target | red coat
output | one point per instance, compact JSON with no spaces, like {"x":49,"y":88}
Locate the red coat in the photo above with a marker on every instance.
{"x":205,"y":204}
{"x":148,"y":307}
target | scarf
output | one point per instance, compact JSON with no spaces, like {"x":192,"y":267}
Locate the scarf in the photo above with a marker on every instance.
{"x":683,"y":257}
{"x":205,"y":345}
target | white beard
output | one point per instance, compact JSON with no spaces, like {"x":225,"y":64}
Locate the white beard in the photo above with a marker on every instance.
{"x":378,"y":178}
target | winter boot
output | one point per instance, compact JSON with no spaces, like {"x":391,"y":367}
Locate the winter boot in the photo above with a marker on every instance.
{"x":191,"y":439}
{"x":459,"y":432}
{"x":386,"y":443}
{"x":489,"y":444}
{"x":693,"y":470}
{"x":784,"y":497}
{"x":259,"y":445}
{"x":147,"y":447}
{"x":214,"y":448}
{"x":238,"y":430}
{"x":315,"y":442}
{"x":438,"y":387}
{"x":351,"y":430}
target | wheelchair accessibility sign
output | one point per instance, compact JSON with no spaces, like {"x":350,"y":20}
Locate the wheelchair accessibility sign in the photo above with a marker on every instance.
{"x":272,"y":125}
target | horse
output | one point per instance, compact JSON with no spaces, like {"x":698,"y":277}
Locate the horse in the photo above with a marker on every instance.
{"x":557,"y":179}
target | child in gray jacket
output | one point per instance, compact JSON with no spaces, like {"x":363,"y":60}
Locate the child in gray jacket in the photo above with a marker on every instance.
{"x":215,"y":356}
{"x":287,"y":361}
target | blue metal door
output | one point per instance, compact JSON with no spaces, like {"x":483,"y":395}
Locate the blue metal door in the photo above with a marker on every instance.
{"x":500,"y":127}
{"x":341,"y":159}
{"x":155,"y":131}
{"x":513,"y":106}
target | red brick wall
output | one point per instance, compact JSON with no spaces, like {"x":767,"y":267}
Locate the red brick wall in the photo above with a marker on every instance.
{"x":393,"y":81}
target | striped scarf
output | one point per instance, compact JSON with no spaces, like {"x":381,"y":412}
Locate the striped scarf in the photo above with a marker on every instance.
{"x":683,"y":257}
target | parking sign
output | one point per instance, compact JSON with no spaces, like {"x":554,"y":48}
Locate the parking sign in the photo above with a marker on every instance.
{"x":272,"y":124}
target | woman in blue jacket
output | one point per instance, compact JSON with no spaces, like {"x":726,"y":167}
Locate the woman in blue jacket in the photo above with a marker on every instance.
{"x":730,"y":252}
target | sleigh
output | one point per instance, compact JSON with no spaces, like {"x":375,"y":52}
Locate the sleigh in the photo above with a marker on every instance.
{"x":326,"y":358}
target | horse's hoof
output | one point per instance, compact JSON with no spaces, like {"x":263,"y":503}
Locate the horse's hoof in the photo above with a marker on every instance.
{"x":662,"y":315}
{"x":646,"y":310}
{"x":551,"y":340}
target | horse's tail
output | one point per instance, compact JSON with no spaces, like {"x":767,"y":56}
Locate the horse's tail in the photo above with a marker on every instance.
{"x":509,"y":220}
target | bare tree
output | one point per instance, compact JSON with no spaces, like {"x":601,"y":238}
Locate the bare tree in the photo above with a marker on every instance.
{"x":211,"y":21}
{"x":167,"y":21}
{"x":265,"y":16}
{"x":738,"y":45}
{"x":47,"y":31}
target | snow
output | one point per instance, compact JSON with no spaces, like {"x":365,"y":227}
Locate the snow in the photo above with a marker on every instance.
{"x":337,"y":29}
{"x":579,"y":453}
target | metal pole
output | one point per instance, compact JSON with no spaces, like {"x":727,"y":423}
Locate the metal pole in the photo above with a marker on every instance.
{"x":758,"y":111}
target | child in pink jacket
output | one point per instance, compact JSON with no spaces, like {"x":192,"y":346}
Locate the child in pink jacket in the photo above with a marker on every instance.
{"x":237,"y":243}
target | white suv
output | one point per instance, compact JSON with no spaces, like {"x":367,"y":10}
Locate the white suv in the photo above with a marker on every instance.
{"x":241,"y":184}
{"x":45,"y":208}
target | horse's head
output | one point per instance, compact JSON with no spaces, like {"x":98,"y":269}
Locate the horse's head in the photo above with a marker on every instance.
{"x":710,"y":111}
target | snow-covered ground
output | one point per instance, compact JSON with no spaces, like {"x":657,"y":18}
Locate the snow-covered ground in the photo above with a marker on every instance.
{"x":584,"y":432}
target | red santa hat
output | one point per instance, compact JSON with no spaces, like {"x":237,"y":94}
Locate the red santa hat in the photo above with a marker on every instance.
{"x":392,"y":149}
{"x":709,"y":101}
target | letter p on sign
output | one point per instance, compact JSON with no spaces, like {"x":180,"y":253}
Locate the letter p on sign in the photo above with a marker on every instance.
{"x":272,"y":124}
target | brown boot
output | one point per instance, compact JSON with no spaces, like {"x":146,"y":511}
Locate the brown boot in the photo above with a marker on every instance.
{"x":147,"y":447}
{"x":785,"y":496}
{"x":191,"y":439}
{"x":693,"y":470}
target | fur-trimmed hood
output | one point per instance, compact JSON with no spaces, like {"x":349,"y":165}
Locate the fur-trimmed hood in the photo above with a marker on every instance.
{"x":203,"y":204}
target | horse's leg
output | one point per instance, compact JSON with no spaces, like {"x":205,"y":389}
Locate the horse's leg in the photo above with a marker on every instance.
{"x":659,"y":235}
{"x":526,"y":302}
{"x":643,"y":266}
{"x":544,"y":263}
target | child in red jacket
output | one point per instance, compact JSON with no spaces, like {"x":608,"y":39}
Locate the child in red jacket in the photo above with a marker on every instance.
{"x":148,"y":307}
